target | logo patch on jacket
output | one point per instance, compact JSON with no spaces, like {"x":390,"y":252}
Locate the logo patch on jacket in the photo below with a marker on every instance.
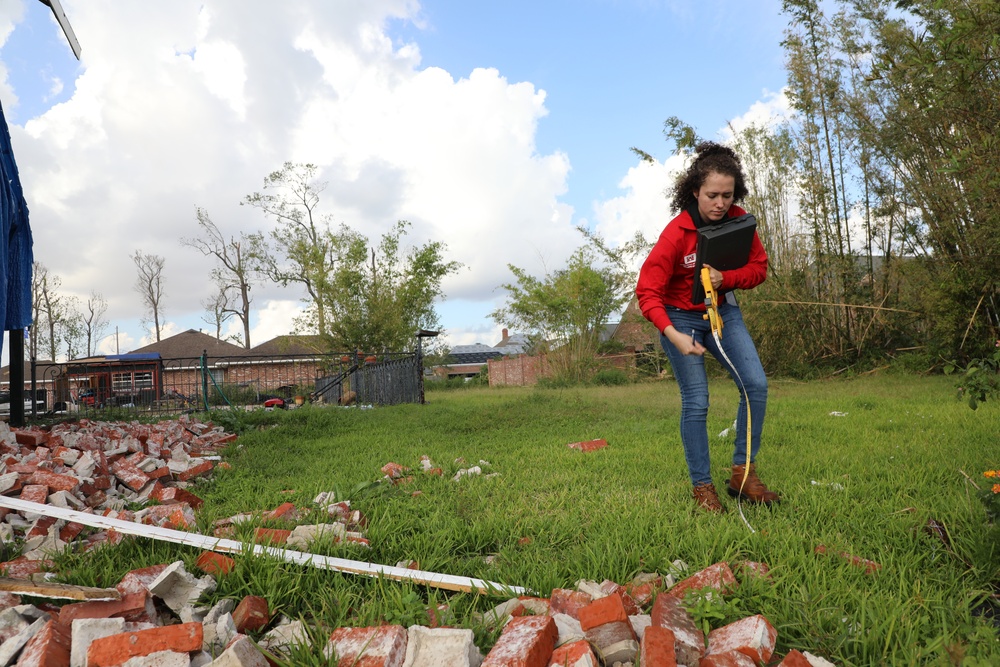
{"x":689,"y":261}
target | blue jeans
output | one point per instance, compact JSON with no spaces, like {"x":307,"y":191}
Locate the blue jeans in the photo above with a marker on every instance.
{"x":693,"y":383}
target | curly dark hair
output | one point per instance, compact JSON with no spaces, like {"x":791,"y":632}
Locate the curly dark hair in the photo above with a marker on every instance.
{"x":711,"y":157}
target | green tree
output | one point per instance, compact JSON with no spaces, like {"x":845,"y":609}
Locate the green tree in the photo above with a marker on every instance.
{"x":931,"y":111}
{"x":303,"y":247}
{"x":568,"y":309}
{"x":379,"y":296}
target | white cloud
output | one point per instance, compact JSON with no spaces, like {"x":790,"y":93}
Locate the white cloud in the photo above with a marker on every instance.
{"x":273,"y":319}
{"x":193,"y":103}
{"x":769,"y":111}
{"x":645,"y":206}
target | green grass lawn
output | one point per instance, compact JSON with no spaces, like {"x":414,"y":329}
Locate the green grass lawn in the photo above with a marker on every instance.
{"x":881,"y":472}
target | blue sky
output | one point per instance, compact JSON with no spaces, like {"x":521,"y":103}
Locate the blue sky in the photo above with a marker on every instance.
{"x":495,"y":127}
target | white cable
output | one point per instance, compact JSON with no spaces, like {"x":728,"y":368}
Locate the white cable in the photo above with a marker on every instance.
{"x":746,"y":396}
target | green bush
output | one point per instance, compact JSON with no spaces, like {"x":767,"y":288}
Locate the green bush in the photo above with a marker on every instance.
{"x":610,"y":377}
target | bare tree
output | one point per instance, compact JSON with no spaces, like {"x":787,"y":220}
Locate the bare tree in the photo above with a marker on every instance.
{"x":92,"y":320}
{"x":56,"y":319}
{"x":237,"y":268}
{"x":149,"y":285}
{"x":217,"y":310}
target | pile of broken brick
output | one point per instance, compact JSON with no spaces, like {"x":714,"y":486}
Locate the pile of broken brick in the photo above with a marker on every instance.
{"x":154,"y":619}
{"x":156,"y":622}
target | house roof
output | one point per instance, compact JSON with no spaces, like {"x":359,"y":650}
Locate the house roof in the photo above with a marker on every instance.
{"x":292,"y":344}
{"x":462,"y":358}
{"x":40,"y":368}
{"x":513,"y":344}
{"x":191,"y":343}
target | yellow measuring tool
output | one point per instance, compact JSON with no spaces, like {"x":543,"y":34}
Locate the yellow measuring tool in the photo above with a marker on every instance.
{"x":711,"y":303}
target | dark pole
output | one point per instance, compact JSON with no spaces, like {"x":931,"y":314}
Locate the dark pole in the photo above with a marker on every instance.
{"x":204,"y":378}
{"x":34,"y":388}
{"x":420,"y":368}
{"x":423,"y":333}
{"x":16,"y":341}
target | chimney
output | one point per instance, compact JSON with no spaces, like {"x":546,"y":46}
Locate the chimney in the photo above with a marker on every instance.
{"x":504,"y":336}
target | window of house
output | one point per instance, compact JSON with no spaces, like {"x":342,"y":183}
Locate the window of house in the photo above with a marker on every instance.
{"x":121,"y":381}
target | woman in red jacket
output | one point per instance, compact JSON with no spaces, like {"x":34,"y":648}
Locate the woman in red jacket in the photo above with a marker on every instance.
{"x":705,"y":195}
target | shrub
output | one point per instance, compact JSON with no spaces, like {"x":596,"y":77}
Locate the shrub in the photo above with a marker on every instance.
{"x":980,"y":379}
{"x":610,"y":377}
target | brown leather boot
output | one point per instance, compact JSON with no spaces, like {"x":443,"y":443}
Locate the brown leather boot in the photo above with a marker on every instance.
{"x":754,"y":490}
{"x":707,"y":498}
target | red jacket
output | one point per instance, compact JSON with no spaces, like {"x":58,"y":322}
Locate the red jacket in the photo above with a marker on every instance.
{"x":667,"y":276}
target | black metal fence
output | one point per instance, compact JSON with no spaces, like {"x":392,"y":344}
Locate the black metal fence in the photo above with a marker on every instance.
{"x":240,"y":381}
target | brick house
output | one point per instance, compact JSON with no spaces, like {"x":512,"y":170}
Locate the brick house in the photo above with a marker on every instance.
{"x":468,"y":360}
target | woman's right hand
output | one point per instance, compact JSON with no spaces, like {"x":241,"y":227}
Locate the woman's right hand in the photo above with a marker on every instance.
{"x":685,"y":343}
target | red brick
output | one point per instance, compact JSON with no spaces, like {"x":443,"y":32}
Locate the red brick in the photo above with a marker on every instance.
{"x":168,"y":516}
{"x":40,"y":527}
{"x":280,"y":511}
{"x":795,"y":658}
{"x":612,"y":588}
{"x":689,"y":640}
{"x":271,"y":536}
{"x":574,"y":654}
{"x":718,"y":576}
{"x":35,"y":493}
{"x":210,"y":562}
{"x":657,"y":648}
{"x":159,"y":473}
{"x":129,"y":475}
{"x":172,"y":494}
{"x":102,"y":482}
{"x":129,"y":606}
{"x":138,"y":581}
{"x":94,"y":499}
{"x":751,"y":568}
{"x":22,"y":568}
{"x":194,"y":471}
{"x":644,"y":588}
{"x":116,"y":649}
{"x":527,"y":641}
{"x":54,"y":481}
{"x":251,"y":614}
{"x":393,"y":469}
{"x":565,"y":601}
{"x":753,"y":636}
{"x":384,"y":646}
{"x":71,"y":531}
{"x":869,"y":566}
{"x":589,"y":445}
{"x":601,"y":611}
{"x":728,"y":659}
{"x":224,"y":439}
{"x":48,"y":648}
{"x":31,"y":438}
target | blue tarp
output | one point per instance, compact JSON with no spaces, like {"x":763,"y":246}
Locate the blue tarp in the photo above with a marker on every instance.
{"x":133,"y":356}
{"x":16,"y":256}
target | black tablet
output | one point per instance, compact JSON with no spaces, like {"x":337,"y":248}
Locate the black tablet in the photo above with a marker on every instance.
{"x":724,"y":247}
